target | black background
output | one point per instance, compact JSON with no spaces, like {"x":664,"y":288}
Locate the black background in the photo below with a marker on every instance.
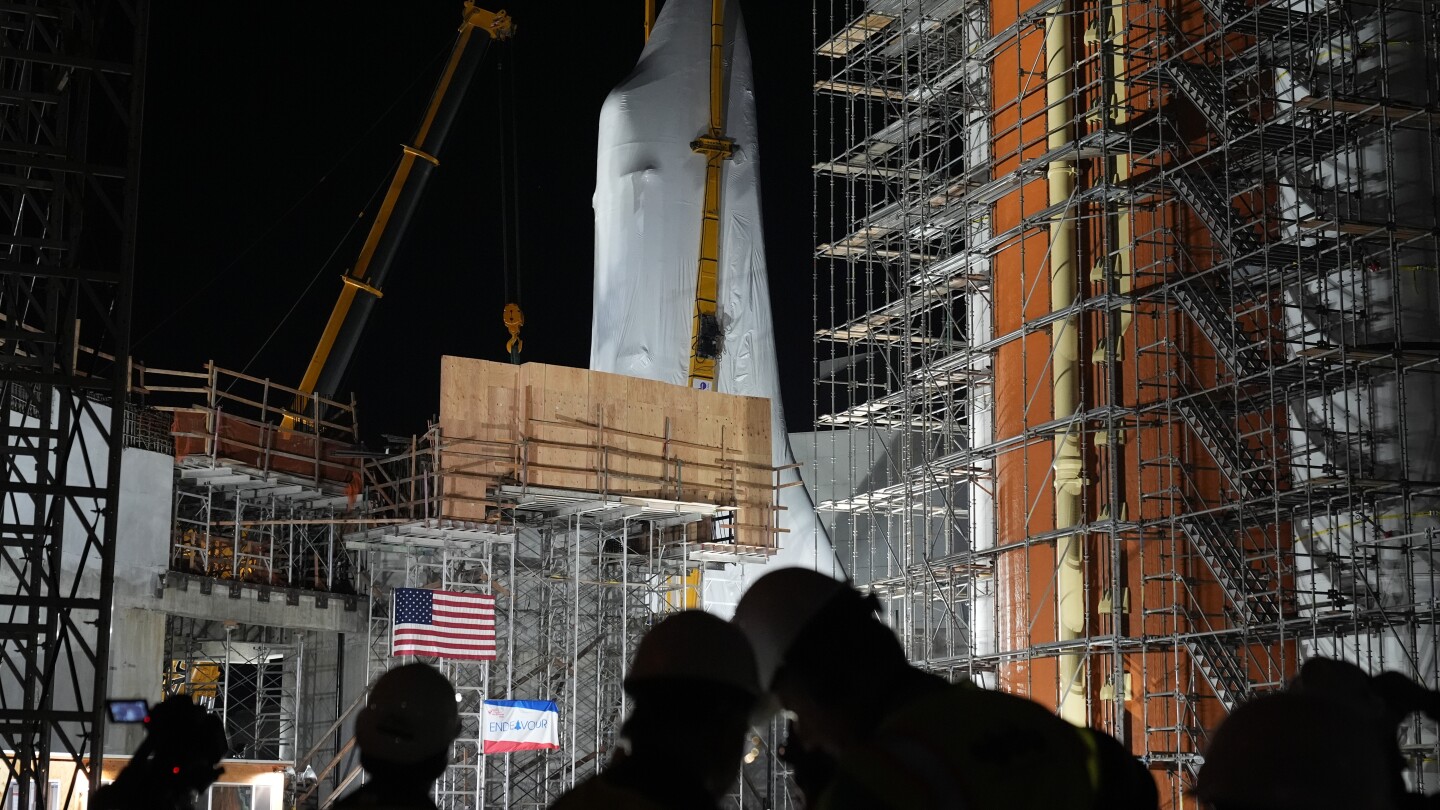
{"x":269,"y":125}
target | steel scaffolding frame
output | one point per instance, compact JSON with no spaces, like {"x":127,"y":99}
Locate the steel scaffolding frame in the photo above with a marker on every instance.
{"x":254,"y":504}
{"x":257,"y":512}
{"x":1254,"y":187}
{"x":240,"y":527}
{"x":578,"y":578}
{"x":249,"y":675}
{"x":69,"y":69}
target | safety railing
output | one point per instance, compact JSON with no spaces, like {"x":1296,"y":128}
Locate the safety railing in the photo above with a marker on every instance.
{"x":460,"y":478}
{"x":228,"y":416}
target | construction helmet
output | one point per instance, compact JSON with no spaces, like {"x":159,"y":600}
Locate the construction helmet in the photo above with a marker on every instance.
{"x":1283,"y":750}
{"x":774,"y":611}
{"x":694,"y":645}
{"x":409,"y":716}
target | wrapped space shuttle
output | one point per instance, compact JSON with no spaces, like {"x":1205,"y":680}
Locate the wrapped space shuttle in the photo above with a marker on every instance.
{"x":649,"y":194}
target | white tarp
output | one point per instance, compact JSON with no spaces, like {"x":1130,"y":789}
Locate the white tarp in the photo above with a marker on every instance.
{"x":1370,"y":553}
{"x":649,"y":192}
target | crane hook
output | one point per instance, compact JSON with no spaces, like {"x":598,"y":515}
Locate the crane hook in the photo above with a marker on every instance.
{"x":514,"y":319}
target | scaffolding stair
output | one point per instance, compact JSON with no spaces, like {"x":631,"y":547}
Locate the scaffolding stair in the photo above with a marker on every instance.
{"x":1240,"y":350}
{"x":1235,"y":460}
{"x":1244,"y":352}
{"x":1247,"y":144}
{"x":1222,"y":669}
{"x":1224,"y":10}
{"x":1217,"y":548}
{"x":1206,"y":93}
{"x":1214,"y":210}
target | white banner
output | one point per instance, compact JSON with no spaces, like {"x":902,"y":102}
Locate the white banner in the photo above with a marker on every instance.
{"x":520,"y":725}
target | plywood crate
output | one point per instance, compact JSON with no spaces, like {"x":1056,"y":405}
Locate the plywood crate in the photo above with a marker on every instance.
{"x":551,"y":427}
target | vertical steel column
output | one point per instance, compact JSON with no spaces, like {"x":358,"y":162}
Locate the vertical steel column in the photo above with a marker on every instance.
{"x":69,"y":70}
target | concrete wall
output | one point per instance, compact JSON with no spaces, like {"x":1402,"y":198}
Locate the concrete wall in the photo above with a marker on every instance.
{"x":137,"y":632}
{"x":144,"y":595}
{"x":199,"y":598}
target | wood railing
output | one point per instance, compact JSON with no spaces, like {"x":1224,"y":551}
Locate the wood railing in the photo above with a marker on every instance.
{"x":457,"y":478}
{"x":230,"y":416}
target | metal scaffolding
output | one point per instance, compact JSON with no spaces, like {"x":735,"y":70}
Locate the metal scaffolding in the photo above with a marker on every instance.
{"x":261,"y":513}
{"x":1135,"y":306}
{"x":577,"y":579}
{"x":249,"y":675}
{"x":258,"y":517}
{"x":254,"y":504}
{"x":71,"y":79}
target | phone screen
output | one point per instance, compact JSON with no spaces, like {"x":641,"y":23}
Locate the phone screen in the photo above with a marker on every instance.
{"x":128,"y":711}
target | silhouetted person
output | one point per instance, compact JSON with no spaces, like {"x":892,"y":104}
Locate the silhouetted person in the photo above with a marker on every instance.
{"x":893,"y":736}
{"x":1329,"y":741}
{"x":693,"y":687}
{"x":404,"y":735}
{"x":174,"y":766}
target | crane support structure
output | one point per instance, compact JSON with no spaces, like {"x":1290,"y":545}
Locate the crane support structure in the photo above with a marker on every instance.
{"x":705,"y":336}
{"x":363,"y":284}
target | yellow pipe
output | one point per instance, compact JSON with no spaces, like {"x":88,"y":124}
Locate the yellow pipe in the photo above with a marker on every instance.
{"x":649,"y":18}
{"x":1119,"y":99}
{"x":1065,"y":365}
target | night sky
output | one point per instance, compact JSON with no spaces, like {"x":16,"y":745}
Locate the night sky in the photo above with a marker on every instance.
{"x":269,"y":126}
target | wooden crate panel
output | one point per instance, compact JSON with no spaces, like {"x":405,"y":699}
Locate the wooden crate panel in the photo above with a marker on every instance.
{"x":573,"y":429}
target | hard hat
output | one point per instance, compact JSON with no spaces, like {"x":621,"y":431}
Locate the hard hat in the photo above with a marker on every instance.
{"x":1283,"y":750}
{"x":777,"y":607}
{"x":694,"y":645}
{"x":409,"y":716}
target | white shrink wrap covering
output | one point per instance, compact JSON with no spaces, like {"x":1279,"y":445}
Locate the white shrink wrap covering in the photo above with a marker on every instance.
{"x":1366,"y":553}
{"x":649,"y":192}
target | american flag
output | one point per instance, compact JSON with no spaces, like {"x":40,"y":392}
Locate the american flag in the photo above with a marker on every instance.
{"x":443,"y":624}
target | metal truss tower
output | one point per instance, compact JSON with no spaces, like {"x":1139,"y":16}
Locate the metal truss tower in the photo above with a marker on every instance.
{"x":71,"y":80}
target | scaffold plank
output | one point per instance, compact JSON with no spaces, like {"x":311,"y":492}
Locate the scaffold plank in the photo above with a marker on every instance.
{"x":1390,"y":112}
{"x":841,"y":87}
{"x":855,"y":34}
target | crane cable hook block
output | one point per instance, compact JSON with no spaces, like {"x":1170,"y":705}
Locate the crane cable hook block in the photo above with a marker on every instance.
{"x":514,"y":319}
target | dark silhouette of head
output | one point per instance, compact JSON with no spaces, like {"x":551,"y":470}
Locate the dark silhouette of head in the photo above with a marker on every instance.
{"x":1283,"y":751}
{"x":406,"y":728}
{"x":694,"y":687}
{"x":820,"y":643}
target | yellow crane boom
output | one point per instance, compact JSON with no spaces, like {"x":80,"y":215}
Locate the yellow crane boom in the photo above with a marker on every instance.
{"x":706,"y":333}
{"x":362,"y":285}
